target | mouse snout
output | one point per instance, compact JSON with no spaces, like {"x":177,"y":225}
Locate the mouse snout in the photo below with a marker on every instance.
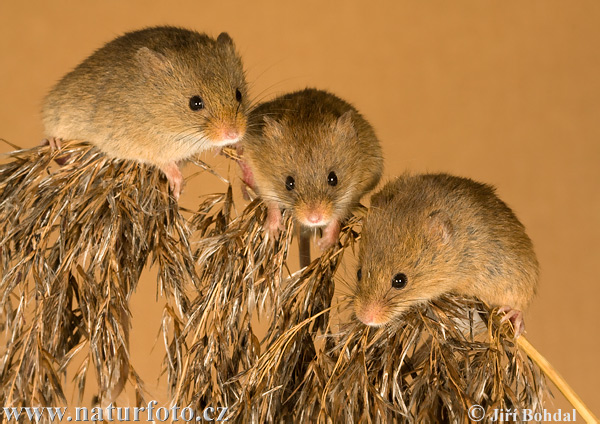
{"x":314,"y":215}
{"x":229,"y":134}
{"x":372,"y":313}
{"x":224,"y":132}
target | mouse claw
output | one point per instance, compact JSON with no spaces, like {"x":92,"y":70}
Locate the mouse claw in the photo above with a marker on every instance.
{"x":173,"y":174}
{"x":55,"y":144}
{"x":273,"y":223}
{"x":245,"y":193}
{"x":515,"y":317}
{"x":272,"y":230}
{"x":330,"y":235}
{"x":175,"y":186}
{"x":325,"y":244}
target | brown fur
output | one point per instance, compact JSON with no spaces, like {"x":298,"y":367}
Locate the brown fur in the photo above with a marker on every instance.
{"x":131,"y":97}
{"x":308,"y":134}
{"x":447,"y":234}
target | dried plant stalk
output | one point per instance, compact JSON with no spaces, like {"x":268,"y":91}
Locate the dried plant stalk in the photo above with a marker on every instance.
{"x":431,"y":368}
{"x":238,"y":268}
{"x":73,"y":242}
{"x":560,"y":383}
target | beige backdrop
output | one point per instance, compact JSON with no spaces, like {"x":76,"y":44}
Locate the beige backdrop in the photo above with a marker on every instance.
{"x":507,"y":93}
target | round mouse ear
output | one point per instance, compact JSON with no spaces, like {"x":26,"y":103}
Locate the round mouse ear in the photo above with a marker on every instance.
{"x":344,"y":125}
{"x":272,"y":128}
{"x":224,"y":38}
{"x":440,"y":227}
{"x":152,"y":62}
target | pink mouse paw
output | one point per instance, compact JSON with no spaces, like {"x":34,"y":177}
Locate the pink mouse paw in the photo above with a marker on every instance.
{"x":273,"y":224}
{"x":515,"y":317}
{"x":173,"y":174}
{"x":330,"y":236}
{"x":247,"y":174}
{"x":55,"y":143}
{"x":245,"y":193}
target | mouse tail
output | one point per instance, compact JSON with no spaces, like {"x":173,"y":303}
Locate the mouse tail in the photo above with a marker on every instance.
{"x":304,"y":246}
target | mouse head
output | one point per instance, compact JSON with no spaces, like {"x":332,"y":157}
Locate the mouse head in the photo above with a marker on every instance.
{"x":404,"y":257}
{"x":198,"y":89}
{"x":310,"y":160}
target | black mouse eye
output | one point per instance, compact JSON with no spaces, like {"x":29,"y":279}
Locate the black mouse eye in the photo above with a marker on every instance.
{"x":238,"y":95}
{"x":290,"y":183}
{"x":332,"y":179}
{"x":399,"y":281}
{"x":196,"y":103}
{"x":359,"y":274}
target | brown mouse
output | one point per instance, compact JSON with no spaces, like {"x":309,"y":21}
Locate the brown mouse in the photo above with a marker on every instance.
{"x":313,"y":153}
{"x":427,"y":235}
{"x":158,"y":96}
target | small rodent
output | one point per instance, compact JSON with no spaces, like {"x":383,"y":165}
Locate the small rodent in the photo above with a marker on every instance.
{"x":158,"y":96}
{"x":431,"y":234}
{"x":313,"y":153}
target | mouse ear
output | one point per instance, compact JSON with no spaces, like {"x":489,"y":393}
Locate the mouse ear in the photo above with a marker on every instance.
{"x":344,"y":125}
{"x":272,"y":128}
{"x":440,"y":226}
{"x":224,"y":38}
{"x":382,"y":197}
{"x":152,"y":62}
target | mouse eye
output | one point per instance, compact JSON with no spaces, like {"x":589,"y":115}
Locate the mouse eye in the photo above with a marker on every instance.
{"x":399,"y":281}
{"x":290,"y":183}
{"x":332,"y":179}
{"x":359,"y":274}
{"x":238,"y":95}
{"x":196,"y":103}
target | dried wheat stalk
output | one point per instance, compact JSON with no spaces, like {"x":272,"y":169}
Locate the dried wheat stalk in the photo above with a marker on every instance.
{"x":74,"y":240}
{"x":431,"y":368}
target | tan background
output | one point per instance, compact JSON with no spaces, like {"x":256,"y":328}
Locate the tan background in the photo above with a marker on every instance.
{"x":507,"y":93}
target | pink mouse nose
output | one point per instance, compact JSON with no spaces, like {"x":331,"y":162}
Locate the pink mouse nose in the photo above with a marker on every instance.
{"x":368,"y":318}
{"x":370,"y":314}
{"x":314,"y":217}
{"x":229,"y":134}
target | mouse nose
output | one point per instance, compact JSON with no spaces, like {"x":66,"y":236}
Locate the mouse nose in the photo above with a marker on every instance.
{"x":229,"y":134}
{"x":314,"y":217}
{"x":314,"y":214}
{"x":370,"y":314}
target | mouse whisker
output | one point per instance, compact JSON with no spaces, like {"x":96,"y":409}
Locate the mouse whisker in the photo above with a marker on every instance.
{"x":193,"y":137}
{"x":263,"y":93}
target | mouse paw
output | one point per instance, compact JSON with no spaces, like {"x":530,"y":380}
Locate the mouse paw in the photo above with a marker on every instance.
{"x":245,"y":194}
{"x":174,"y":177}
{"x":515,"y":317}
{"x":330,"y":235}
{"x":273,"y":224}
{"x":247,"y":175}
{"x":248,"y":192}
{"x":55,"y":144}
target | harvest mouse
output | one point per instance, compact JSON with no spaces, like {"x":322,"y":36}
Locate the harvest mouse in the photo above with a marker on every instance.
{"x":427,"y":235}
{"x":313,"y":153}
{"x":158,"y":96}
